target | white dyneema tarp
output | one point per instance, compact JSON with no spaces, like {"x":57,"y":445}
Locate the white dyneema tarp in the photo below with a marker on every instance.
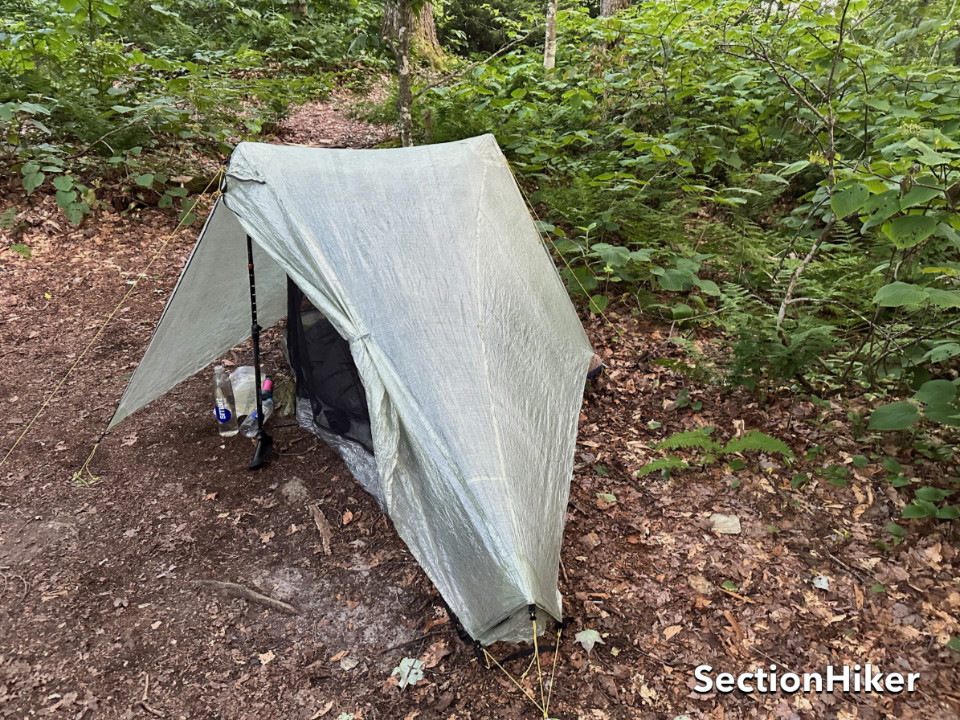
{"x":471,"y":355}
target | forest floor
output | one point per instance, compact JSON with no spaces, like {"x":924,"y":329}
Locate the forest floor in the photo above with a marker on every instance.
{"x":101,"y":615}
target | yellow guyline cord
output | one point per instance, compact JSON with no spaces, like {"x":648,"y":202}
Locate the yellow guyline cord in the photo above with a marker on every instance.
{"x":512,"y":679}
{"x":553,"y":672}
{"x":544,"y":704}
{"x":214,"y":181}
{"x":536,"y":652}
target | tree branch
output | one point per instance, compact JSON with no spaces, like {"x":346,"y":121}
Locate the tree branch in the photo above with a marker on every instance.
{"x":478,"y":63}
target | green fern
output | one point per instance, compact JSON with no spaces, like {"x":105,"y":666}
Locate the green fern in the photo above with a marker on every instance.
{"x":699,"y":438}
{"x":756,"y":440}
{"x":671,"y":462}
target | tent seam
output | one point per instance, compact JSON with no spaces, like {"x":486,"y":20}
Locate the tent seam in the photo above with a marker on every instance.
{"x":523,"y":582}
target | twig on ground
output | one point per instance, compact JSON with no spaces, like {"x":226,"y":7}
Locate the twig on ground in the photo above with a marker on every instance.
{"x":323,"y":527}
{"x":854,"y":571}
{"x":245,"y":593}
{"x":143,"y":701}
{"x":151,"y":710}
{"x":743,"y":598}
{"x":734,"y":624}
{"x":425,"y":636}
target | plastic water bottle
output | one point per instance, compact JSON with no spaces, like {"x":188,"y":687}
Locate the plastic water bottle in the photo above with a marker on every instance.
{"x":244,"y":389}
{"x":249,"y":427}
{"x":224,"y":407}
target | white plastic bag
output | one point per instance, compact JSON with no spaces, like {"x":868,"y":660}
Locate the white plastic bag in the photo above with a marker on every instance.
{"x":244,"y":389}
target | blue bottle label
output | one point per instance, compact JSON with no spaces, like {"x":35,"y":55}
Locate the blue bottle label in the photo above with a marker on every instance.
{"x":223,"y":415}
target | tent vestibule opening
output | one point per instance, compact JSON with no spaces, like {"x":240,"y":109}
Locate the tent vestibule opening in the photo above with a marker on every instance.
{"x":327,"y":376}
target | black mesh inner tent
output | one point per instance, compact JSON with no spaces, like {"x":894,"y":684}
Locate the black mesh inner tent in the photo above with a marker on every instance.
{"x":327,"y":377}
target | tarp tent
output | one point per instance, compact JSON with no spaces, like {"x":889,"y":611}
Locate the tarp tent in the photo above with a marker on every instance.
{"x":472,"y":359}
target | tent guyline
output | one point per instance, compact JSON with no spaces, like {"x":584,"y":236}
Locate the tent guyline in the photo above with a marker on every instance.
{"x":544,"y":705}
{"x":433,"y":343}
{"x":103,"y":326}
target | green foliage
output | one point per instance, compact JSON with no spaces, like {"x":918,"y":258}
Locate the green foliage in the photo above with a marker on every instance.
{"x":836,"y":475}
{"x":756,"y":440}
{"x":936,"y":400}
{"x":664,"y":465}
{"x":895,"y":473}
{"x":700,"y":439}
{"x":126,"y":93}
{"x":787,"y":174}
{"x":22,"y":250}
{"x":469,"y":27}
{"x":690,"y":439}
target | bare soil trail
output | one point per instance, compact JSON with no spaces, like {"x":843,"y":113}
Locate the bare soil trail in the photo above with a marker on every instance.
{"x":103,"y":613}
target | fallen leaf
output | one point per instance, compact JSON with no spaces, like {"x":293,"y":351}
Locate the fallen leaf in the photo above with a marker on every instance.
{"x":322,"y":711}
{"x":347,"y":517}
{"x":266,"y":657}
{"x":323,"y":527}
{"x":588,"y":638}
{"x":435,"y":653}
{"x":339,"y":656}
{"x":671,"y":631}
{"x":266,"y":537}
{"x":410,"y":672}
{"x":606,"y":500}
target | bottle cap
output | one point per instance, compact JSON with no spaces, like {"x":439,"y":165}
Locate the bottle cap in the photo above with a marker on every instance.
{"x":268,"y":385}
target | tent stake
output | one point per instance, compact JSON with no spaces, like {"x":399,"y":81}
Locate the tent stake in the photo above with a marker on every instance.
{"x":264,"y":441}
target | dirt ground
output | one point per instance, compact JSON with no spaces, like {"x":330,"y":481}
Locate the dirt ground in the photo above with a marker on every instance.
{"x":101,"y":614}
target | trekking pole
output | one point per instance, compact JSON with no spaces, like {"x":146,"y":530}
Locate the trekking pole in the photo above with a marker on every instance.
{"x":264,"y":441}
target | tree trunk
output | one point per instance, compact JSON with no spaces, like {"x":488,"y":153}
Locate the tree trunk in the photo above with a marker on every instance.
{"x":398,"y":17}
{"x":423,"y":32}
{"x":550,"y":47}
{"x":612,"y":7}
{"x":402,"y":28}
